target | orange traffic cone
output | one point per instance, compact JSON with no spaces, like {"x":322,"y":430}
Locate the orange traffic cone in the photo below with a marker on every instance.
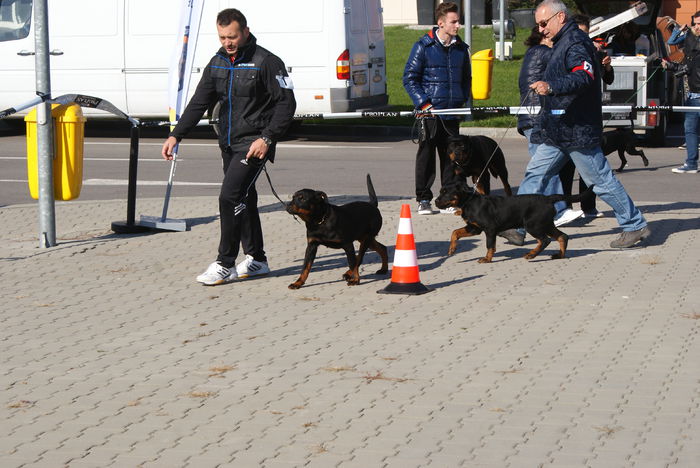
{"x":404,"y":274}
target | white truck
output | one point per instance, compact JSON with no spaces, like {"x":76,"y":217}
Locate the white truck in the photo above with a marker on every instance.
{"x":120,"y":50}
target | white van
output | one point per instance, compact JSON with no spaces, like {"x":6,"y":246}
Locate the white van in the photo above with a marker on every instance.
{"x":120,"y":50}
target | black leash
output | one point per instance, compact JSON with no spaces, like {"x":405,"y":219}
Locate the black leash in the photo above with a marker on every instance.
{"x":269,"y":181}
{"x":498,"y":144}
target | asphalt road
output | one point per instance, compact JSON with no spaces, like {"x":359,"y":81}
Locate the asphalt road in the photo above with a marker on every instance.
{"x":329,"y":164}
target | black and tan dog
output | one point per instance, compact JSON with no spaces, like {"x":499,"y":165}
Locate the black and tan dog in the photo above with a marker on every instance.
{"x":338,"y":227}
{"x":470,"y":155}
{"x":621,"y":140}
{"x":491,"y":215}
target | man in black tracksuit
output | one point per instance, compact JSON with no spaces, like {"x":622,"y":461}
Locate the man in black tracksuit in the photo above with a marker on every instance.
{"x":256,"y":108}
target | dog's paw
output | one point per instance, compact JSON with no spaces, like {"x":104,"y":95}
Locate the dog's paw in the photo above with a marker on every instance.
{"x":295,"y":285}
{"x":529,"y":256}
{"x":557,"y":256}
{"x":484,"y":260}
{"x":383,"y":271}
{"x":353,"y":281}
{"x":347,"y":275}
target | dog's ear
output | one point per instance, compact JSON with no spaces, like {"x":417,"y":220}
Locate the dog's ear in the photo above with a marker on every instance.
{"x":323,"y":196}
{"x":453,"y":143}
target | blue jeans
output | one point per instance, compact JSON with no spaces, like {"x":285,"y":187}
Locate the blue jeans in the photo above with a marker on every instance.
{"x":554,"y":185}
{"x":593,"y":167}
{"x":690,"y":125}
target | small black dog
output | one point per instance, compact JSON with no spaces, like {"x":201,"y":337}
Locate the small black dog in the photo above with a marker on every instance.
{"x":621,"y":140}
{"x":337,"y":227}
{"x":492,"y":215}
{"x":470,"y":155}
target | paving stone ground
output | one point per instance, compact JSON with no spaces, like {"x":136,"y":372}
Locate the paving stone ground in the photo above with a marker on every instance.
{"x":112,"y":355}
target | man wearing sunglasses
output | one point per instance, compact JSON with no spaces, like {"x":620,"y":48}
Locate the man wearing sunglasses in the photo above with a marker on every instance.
{"x":569,"y":125}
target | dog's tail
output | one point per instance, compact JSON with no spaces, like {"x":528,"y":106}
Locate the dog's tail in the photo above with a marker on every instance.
{"x":372,"y":194}
{"x":572,"y":198}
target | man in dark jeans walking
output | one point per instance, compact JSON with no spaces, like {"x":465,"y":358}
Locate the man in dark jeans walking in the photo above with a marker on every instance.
{"x":437,"y":76}
{"x":257,"y":106}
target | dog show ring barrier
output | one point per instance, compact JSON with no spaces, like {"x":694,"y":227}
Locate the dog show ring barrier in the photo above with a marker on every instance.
{"x":130,"y":226}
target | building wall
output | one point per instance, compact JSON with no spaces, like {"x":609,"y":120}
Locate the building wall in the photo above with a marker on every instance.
{"x":400,"y":12}
{"x":406,"y":11}
{"x":680,"y":10}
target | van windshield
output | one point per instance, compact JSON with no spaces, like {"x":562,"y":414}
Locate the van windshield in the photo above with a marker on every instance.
{"x":15,"y":19}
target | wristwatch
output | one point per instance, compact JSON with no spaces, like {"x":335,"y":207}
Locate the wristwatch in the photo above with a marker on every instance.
{"x":267,"y":140}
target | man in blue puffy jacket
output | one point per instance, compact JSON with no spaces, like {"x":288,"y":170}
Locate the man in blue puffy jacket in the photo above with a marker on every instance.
{"x":569,"y":124}
{"x":437,"y":76}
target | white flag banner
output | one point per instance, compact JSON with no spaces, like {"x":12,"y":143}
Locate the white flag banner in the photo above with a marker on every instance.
{"x":183,"y":56}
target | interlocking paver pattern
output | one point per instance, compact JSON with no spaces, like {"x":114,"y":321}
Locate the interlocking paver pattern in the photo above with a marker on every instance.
{"x":111,"y":354}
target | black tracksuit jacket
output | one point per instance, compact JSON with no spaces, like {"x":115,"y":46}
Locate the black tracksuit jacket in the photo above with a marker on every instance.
{"x":255,"y":93}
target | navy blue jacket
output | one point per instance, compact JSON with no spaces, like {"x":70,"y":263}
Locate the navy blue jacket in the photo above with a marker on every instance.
{"x":438,"y":75}
{"x":532,"y":69}
{"x":255,"y":93}
{"x":571,"y":117}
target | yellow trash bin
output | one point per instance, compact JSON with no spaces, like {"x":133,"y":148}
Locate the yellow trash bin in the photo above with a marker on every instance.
{"x":482,"y":72}
{"x":69,"y":132}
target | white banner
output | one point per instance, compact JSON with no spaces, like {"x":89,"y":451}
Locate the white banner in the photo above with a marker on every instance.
{"x":183,"y":56}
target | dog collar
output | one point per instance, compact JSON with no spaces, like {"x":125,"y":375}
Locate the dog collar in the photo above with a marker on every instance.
{"x":323,"y":220}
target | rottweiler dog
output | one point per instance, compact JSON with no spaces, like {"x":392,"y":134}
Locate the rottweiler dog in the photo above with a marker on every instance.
{"x":470,"y":155}
{"x":491,"y":215}
{"x":621,"y":140}
{"x":338,"y":227}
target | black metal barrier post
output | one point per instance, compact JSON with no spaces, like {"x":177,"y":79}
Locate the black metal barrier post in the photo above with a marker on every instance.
{"x":129,"y":226}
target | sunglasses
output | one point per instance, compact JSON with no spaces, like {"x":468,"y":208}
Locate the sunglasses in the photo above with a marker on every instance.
{"x":543,"y":24}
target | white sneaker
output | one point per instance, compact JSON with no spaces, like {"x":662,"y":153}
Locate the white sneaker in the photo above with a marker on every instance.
{"x":424,"y":208}
{"x":251,"y":267}
{"x":567,"y":216}
{"x":217,"y":274}
{"x":684,"y":169}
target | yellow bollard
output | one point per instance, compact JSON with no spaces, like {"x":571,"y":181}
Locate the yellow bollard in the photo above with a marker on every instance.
{"x":482,"y":72}
{"x":69,"y":131}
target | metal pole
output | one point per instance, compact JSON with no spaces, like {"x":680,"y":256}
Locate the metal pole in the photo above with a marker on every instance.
{"x":133,"y":167}
{"x":129,"y":226}
{"x":502,"y":30}
{"x":45,"y":146}
{"x":467,"y":9}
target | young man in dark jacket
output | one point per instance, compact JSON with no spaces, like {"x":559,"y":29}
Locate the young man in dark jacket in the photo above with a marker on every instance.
{"x":437,"y":76}
{"x":570,"y":123}
{"x":257,"y":106}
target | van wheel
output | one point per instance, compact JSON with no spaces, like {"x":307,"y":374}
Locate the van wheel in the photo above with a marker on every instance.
{"x":657,"y":135}
{"x":214,"y":115}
